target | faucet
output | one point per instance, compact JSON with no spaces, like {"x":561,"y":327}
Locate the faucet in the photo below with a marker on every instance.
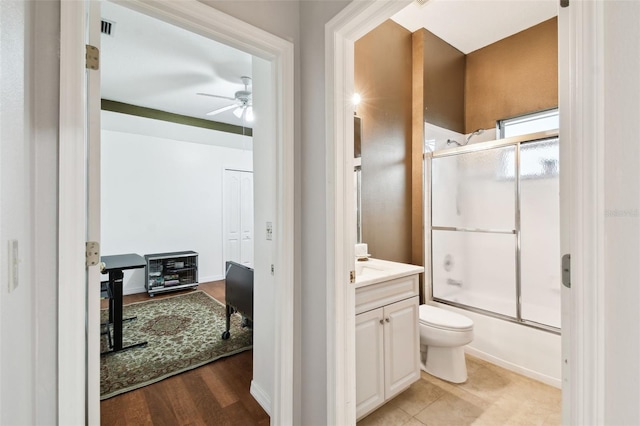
{"x":454,"y":282}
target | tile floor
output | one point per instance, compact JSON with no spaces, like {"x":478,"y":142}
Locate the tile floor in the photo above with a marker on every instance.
{"x":490,"y":396}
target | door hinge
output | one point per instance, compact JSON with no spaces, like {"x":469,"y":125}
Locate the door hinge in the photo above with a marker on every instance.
{"x":92,"y":253}
{"x":92,"y":56}
{"x":566,"y":270}
{"x":352,"y":277}
{"x":564,"y":3}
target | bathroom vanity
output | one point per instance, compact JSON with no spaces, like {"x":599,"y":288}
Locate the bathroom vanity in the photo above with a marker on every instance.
{"x":387,"y":334}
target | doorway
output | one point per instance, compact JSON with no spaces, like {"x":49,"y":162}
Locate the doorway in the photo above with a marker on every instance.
{"x":275,"y":56}
{"x":578,"y":27}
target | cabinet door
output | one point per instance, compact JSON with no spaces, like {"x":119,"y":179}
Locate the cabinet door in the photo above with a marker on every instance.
{"x":401,"y":345}
{"x":369,"y":361}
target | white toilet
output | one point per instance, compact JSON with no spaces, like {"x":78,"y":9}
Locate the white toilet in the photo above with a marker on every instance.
{"x":442,"y":337}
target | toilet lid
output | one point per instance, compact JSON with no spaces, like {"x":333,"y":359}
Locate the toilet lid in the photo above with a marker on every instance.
{"x":441,"y":318}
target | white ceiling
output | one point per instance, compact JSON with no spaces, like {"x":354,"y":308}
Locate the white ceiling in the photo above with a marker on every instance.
{"x":149,"y":63}
{"x":469,"y":25}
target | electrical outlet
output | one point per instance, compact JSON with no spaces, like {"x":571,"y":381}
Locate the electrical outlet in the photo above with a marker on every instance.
{"x":269,"y":231}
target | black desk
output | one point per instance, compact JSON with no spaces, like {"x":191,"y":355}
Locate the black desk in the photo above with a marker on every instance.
{"x":114,"y":265}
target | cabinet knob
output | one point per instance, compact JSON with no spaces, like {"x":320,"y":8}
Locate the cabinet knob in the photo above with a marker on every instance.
{"x":381,"y":321}
{"x":388,"y":319}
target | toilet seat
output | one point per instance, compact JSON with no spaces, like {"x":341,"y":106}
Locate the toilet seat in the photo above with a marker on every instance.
{"x":433,"y":316}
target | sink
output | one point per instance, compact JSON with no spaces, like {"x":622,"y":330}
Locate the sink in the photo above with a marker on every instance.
{"x":368,"y":267}
{"x":376,"y":270}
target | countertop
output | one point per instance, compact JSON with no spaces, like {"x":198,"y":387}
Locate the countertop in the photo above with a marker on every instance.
{"x":374,"y":271}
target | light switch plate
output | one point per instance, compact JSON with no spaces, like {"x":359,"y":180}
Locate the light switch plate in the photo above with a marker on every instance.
{"x":14,"y":261}
{"x":269,"y":231}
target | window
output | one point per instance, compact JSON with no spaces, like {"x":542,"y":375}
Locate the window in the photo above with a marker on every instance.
{"x":528,"y":123}
{"x":538,"y":160}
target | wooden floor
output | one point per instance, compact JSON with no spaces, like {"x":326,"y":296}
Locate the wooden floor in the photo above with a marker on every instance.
{"x":215,"y":394}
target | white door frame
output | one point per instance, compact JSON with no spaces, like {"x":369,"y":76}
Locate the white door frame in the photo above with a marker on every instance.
{"x":207,"y":21}
{"x":353,"y":22}
{"x":581,"y":94}
{"x":581,"y":105}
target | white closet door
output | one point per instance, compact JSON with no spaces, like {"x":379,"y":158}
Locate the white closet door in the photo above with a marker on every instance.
{"x":246,"y":218}
{"x":232,"y":215}
{"x":238,"y":216}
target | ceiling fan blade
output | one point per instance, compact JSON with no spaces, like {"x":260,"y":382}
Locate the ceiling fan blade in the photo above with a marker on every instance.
{"x":216,"y":96}
{"x":223,"y":109}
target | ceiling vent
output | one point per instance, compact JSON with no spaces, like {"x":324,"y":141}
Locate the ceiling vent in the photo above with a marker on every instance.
{"x":421,"y":2}
{"x":106,"y":27}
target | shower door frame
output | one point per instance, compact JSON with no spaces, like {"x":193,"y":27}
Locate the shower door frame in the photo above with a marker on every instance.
{"x":428,"y":157}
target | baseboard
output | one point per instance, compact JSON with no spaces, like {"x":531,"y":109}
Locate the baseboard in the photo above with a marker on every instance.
{"x":210,"y":278}
{"x":551,"y":381}
{"x":133,"y":290}
{"x":261,"y":396}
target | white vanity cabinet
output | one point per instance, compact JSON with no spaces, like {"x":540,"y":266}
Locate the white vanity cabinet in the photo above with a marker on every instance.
{"x":387,"y":341}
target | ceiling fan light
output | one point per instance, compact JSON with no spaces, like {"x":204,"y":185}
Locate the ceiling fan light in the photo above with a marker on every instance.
{"x":238,"y":112}
{"x":249,"y":114}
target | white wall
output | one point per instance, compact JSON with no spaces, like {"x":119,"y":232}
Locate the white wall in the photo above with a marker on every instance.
{"x":314,"y":305}
{"x":303,"y":23}
{"x":164,"y":195}
{"x":622,"y":212}
{"x":16,"y":215}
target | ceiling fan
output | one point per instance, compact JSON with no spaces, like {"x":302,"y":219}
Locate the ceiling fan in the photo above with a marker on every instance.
{"x":242,"y":102}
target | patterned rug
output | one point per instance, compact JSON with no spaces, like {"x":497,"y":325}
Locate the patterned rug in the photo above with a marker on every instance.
{"x":183,"y":333}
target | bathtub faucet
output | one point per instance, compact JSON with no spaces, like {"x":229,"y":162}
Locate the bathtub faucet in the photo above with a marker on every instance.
{"x":454,"y":282}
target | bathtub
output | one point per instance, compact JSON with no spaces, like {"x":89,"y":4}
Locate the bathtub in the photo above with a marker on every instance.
{"x":525,"y":350}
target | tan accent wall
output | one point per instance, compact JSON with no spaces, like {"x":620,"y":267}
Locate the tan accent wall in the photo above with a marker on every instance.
{"x":383,"y":78}
{"x":444,"y":81}
{"x":513,"y":76}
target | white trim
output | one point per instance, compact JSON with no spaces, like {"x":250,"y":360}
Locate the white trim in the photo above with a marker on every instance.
{"x":211,"y":23}
{"x":210,"y":278}
{"x":341,"y":32}
{"x":71,"y":217}
{"x":585,"y":131}
{"x":564,"y":109}
{"x":284,"y":235}
{"x":261,"y":397}
{"x":93,"y":163}
{"x":551,"y":381}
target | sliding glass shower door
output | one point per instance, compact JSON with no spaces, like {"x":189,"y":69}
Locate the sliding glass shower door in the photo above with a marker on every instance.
{"x":540,"y":232}
{"x":495,"y":229}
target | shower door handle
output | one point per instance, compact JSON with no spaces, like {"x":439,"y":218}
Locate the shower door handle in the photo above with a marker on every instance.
{"x":566,"y":270}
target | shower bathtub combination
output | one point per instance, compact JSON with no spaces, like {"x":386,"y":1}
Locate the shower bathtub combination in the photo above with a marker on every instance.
{"x":493,"y":247}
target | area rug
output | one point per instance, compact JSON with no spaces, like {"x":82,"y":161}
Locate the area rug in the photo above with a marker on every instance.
{"x":183,"y":332}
